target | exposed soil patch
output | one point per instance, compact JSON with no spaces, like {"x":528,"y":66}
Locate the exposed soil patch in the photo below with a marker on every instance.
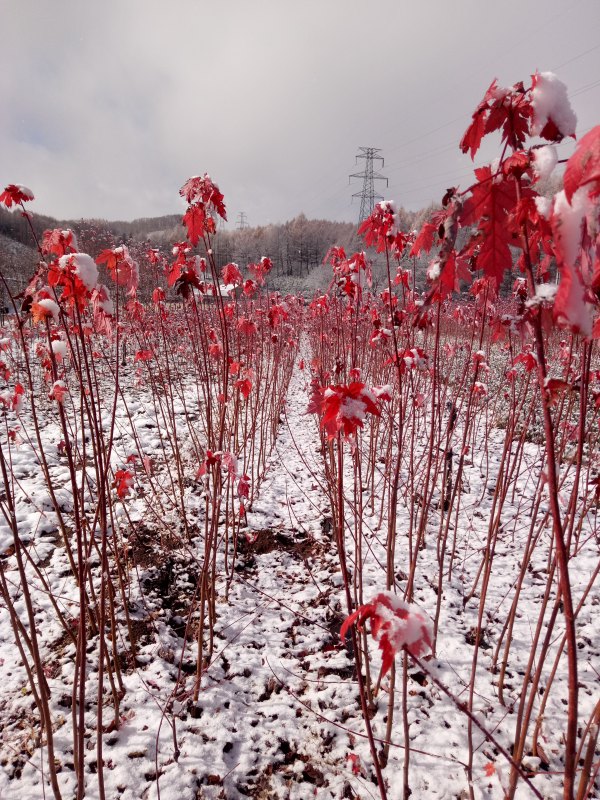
{"x":266,"y":541}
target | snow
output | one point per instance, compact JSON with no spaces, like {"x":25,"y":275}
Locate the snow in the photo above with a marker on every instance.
{"x":83,"y":266}
{"x":544,"y":206}
{"x":546,"y":291}
{"x":551,"y":102}
{"x":28,"y":194}
{"x":101,"y":299}
{"x":383,"y":392}
{"x":59,"y":348}
{"x":50,"y":306}
{"x":58,"y":390}
{"x":544,"y":160}
{"x":500,"y":92}
{"x":434,"y":270}
{"x":567,"y":221}
{"x":352,"y":409}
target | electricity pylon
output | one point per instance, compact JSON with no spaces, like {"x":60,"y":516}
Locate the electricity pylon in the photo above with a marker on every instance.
{"x":368,"y":195}
{"x":242,"y":221}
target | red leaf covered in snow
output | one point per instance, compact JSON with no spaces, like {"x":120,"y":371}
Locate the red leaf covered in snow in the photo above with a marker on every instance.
{"x":123,"y":269}
{"x":231,"y":275}
{"x":574,"y":302}
{"x":394,"y":624}
{"x":200,"y":188}
{"x":58,"y":242}
{"x":571,"y":307}
{"x":15,"y":193}
{"x":378,"y":225}
{"x":343,"y":408}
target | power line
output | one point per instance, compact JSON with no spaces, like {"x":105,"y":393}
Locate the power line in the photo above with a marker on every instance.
{"x":242,"y":221}
{"x":424,"y":155}
{"x":368,"y":195}
{"x":576,"y":58}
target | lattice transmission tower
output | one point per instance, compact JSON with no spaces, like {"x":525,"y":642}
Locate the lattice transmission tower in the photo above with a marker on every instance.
{"x":368,"y":195}
{"x":242,"y":221}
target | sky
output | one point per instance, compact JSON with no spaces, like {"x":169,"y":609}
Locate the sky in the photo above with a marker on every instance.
{"x":107,"y":107}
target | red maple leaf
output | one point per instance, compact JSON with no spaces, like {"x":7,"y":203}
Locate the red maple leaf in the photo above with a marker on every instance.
{"x":528,"y":360}
{"x":195,"y":220}
{"x":554,"y":387}
{"x":123,"y":482}
{"x":453,"y":271}
{"x":583,"y":167}
{"x":123,"y":269}
{"x":143,"y":355}
{"x":378,"y":226}
{"x":108,"y":257}
{"x":58,"y":391}
{"x":424,"y":240}
{"x":186,"y":282}
{"x":474,"y":133}
{"x":173,"y":271}
{"x":244,"y":386}
{"x":276,"y":315}
{"x":243,"y":488}
{"x":509,"y":109}
{"x":15,"y":193}
{"x":516,"y":164}
{"x":492,"y":199}
{"x":246,"y":326}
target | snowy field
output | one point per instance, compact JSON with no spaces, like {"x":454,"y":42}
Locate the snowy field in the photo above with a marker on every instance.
{"x":278,"y":714}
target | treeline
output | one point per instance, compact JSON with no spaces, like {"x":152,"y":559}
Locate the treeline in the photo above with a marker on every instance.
{"x":15,"y":226}
{"x":296,"y":247}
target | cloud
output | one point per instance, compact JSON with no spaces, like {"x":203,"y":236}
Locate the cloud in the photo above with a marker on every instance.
{"x":108,"y":107}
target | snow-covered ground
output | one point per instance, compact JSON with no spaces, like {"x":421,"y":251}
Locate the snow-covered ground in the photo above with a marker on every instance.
{"x":278,"y":714}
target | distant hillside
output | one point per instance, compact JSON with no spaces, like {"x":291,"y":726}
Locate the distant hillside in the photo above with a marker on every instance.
{"x":297,"y":247}
{"x":17,"y":262}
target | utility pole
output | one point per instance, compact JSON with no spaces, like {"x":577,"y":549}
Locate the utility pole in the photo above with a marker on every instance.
{"x":242,"y":221}
{"x":368,"y":196}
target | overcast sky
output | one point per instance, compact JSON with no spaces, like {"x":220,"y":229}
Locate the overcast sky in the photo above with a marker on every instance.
{"x":108,"y":106}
